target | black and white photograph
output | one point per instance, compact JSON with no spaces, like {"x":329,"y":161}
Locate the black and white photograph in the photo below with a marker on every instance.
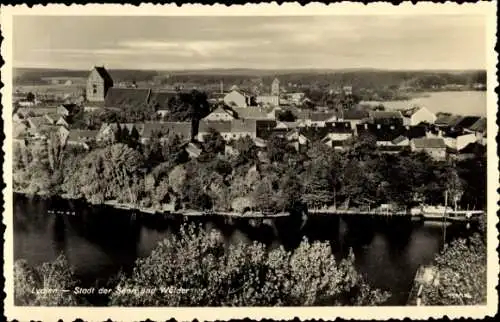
{"x":157,"y":158}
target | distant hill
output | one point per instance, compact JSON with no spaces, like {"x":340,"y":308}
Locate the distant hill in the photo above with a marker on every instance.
{"x":359,"y":78}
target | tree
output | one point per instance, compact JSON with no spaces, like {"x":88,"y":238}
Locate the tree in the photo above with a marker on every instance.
{"x":286,"y":116}
{"x":30,"y":97}
{"x":33,"y":284}
{"x":243,"y":275}
{"x":462,"y":274}
{"x":213,"y":142}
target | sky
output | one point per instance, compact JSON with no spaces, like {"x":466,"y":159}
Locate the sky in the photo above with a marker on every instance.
{"x":272,"y":42}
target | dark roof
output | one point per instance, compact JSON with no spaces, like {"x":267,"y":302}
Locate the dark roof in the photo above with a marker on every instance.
{"x":429,"y":143}
{"x":219,"y":126}
{"x":126,"y":97}
{"x":382,"y":132}
{"x":447,"y":119}
{"x":466,"y":121}
{"x":104,"y":75}
{"x":479,"y":125}
{"x":182,"y":129}
{"x":315,"y":133}
{"x":160,"y":99}
{"x":473,"y":148}
{"x":322,"y":116}
{"x":409,"y":112}
{"x":355,"y":114}
{"x":385,"y":115}
{"x":418,"y":131}
{"x":339,"y":127}
{"x":70,"y":107}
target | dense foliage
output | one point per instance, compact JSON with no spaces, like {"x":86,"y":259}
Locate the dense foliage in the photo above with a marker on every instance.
{"x":275,"y":178}
{"x":196,"y":269}
{"x":44,"y":285}
{"x":462,"y":273}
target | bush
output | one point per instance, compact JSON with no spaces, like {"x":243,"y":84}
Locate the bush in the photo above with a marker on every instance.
{"x":43,"y":285}
{"x":461,"y":274}
{"x":197,"y":269}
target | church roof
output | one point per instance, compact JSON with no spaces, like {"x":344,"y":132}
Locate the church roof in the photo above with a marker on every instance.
{"x":126,"y":97}
{"x":104,"y":74}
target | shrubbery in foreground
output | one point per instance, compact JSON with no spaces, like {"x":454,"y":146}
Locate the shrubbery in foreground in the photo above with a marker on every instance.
{"x":198,"y":269}
{"x":43,"y":285}
{"x":462,"y":270}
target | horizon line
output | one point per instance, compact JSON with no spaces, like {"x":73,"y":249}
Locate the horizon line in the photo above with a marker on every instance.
{"x":265,"y":69}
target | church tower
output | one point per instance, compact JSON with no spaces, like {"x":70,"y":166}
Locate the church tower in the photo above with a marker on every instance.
{"x":275,"y":87}
{"x":98,"y":83}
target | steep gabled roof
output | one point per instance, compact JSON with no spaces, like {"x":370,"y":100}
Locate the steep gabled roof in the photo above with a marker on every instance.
{"x":126,"y":97}
{"x":104,"y":75}
{"x":429,"y":143}
{"x":466,"y":121}
{"x":479,"y":125}
{"x":447,"y":119}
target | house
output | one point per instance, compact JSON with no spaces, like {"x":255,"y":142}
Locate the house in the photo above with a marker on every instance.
{"x":470,"y":151}
{"x":220,"y":114}
{"x":435,"y":147}
{"x":37,"y":124}
{"x":253,"y":113}
{"x":222,"y":127}
{"x":459,"y":141}
{"x":119,"y":98}
{"x":81,"y":138}
{"x":295,"y":98}
{"x":238,"y":98}
{"x":354,"y":116}
{"x":479,"y":129}
{"x":98,"y":84}
{"x":383,"y":133}
{"x":67,"y":109}
{"x":347,"y":90}
{"x":56,"y":119}
{"x":339,"y":133}
{"x":296,"y":139}
{"x":184,"y":130}
{"x":417,"y":115}
{"x":243,"y":128}
{"x":35,"y":111}
{"x":446,"y":120}
{"x":386,"y":117}
{"x":268,"y":100}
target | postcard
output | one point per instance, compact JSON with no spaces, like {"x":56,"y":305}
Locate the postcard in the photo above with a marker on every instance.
{"x":261,"y":161}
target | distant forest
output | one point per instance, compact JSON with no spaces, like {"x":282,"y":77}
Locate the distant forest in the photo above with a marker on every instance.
{"x":369,"y":78}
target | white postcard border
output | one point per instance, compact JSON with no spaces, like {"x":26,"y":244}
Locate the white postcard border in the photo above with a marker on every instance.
{"x":488,"y":9}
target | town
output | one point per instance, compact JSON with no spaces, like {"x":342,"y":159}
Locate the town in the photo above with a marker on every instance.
{"x":106,"y":114}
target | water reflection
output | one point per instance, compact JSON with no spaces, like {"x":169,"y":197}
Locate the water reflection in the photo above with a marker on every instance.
{"x":99,"y":241}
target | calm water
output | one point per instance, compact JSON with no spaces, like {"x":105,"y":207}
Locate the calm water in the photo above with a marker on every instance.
{"x":462,"y":103}
{"x":100,"y":241}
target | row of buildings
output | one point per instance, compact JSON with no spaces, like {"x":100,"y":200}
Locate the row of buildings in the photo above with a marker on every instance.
{"x":233,"y":116}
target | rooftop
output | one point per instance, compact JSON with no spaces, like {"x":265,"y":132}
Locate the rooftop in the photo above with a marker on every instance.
{"x":429,"y":143}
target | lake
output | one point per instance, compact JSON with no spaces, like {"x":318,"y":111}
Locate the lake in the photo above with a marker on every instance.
{"x":99,"y":241}
{"x":461,"y":103}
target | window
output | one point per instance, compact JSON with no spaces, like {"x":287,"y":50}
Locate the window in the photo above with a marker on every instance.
{"x":94,"y":89}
